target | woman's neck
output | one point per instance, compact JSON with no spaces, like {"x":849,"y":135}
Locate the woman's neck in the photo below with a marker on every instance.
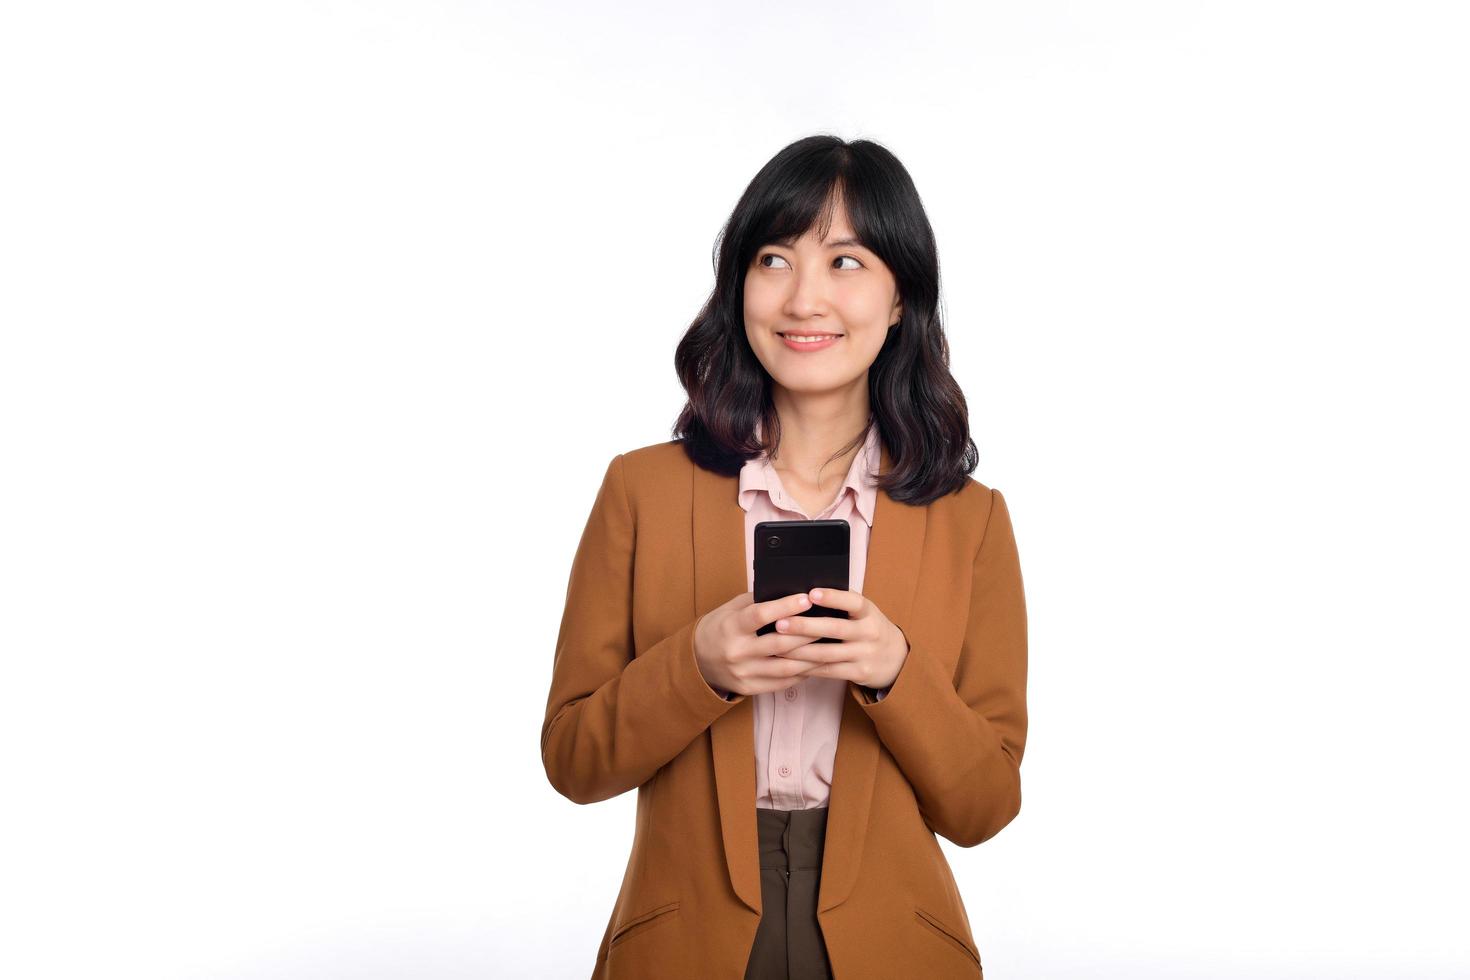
{"x":809,"y":447}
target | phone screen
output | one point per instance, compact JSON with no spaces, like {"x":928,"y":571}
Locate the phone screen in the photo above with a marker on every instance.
{"x":798,"y":556}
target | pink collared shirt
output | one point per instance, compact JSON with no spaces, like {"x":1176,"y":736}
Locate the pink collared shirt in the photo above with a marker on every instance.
{"x":796,"y":728}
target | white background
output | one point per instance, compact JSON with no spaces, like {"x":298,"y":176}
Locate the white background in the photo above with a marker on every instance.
{"x":321,"y":322}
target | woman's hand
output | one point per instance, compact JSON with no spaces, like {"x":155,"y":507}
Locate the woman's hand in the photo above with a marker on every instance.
{"x":872,"y":651}
{"x":731,"y":656}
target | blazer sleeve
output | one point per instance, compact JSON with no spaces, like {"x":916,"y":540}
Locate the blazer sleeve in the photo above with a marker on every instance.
{"x":959,"y":739}
{"x":613,"y":718}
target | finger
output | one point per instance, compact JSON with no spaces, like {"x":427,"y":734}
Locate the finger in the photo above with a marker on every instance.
{"x":775,"y":668}
{"x":833,"y":626}
{"x":819,"y":653}
{"x":839,"y":669}
{"x":777,"y":645}
{"x":789,"y":667}
{"x":762,"y":613}
{"x":837,"y":599}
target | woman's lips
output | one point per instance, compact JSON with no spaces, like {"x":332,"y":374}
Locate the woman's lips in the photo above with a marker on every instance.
{"x":811,"y":345}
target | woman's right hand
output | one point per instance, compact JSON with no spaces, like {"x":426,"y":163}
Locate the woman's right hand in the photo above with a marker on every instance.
{"x":730,"y":654}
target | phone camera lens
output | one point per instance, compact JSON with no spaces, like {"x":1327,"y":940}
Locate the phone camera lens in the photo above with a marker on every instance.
{"x":774,"y":541}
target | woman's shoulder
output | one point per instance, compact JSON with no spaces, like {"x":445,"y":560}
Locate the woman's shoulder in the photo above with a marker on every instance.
{"x":654,"y":461}
{"x":666,"y":453}
{"x":657,"y":465}
{"x":963,"y":515}
{"x":975,"y":493}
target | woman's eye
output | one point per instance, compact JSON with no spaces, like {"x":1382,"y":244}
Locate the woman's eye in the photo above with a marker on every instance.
{"x":772,"y":255}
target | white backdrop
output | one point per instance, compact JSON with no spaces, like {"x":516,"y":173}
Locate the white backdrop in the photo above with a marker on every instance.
{"x":321,"y":322}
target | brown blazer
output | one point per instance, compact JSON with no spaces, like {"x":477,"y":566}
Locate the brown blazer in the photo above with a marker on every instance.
{"x":940,"y":754}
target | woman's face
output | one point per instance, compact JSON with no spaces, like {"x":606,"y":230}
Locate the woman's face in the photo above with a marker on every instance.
{"x":809,"y":287}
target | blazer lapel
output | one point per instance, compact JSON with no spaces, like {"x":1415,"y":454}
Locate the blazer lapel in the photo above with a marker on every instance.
{"x":719,"y":575}
{"x":894,"y":548}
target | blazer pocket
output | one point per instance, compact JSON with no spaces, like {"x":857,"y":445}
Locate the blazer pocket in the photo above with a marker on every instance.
{"x":948,"y":934}
{"x":643,"y":922}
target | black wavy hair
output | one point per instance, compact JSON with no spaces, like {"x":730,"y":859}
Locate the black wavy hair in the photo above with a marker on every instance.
{"x":920,"y":412}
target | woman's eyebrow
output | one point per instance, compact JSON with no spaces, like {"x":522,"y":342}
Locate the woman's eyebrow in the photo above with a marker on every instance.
{"x":790,"y":240}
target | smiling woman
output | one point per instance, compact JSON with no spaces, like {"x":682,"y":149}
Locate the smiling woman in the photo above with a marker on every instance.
{"x":819,"y":294}
{"x":791,"y":781}
{"x":829,"y":240}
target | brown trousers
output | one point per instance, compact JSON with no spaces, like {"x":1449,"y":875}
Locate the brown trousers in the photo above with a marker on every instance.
{"x":788,"y":942}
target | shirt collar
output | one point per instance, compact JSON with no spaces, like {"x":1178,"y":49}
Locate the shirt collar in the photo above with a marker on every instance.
{"x":758,"y":474}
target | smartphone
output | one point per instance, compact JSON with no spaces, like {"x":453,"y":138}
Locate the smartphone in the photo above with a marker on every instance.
{"x":798,"y":556}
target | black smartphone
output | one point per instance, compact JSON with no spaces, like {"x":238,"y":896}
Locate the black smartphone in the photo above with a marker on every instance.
{"x":798,"y":556}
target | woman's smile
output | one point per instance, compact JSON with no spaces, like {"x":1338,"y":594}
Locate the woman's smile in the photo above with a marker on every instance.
{"x":809,"y":342}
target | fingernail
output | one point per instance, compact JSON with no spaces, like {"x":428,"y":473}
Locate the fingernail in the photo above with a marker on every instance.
{"x":780,"y":624}
{"x":802,"y":601}
{"x":816,"y":593}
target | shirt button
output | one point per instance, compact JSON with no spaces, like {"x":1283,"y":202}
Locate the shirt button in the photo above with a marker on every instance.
{"x":785,"y":770}
{"x":791,"y":694}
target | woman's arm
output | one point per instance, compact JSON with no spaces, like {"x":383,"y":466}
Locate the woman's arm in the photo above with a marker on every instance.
{"x":612,"y":720}
{"x":959,"y":739}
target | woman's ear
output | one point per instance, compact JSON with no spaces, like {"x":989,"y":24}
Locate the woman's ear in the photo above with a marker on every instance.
{"x":897,"y":313}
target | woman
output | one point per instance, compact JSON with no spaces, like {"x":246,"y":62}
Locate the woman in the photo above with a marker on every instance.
{"x":790,"y":791}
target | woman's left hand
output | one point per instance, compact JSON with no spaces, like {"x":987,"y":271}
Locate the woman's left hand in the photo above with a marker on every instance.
{"x":872,"y":651}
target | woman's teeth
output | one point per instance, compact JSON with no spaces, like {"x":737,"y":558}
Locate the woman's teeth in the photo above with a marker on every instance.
{"x":808,"y":339}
